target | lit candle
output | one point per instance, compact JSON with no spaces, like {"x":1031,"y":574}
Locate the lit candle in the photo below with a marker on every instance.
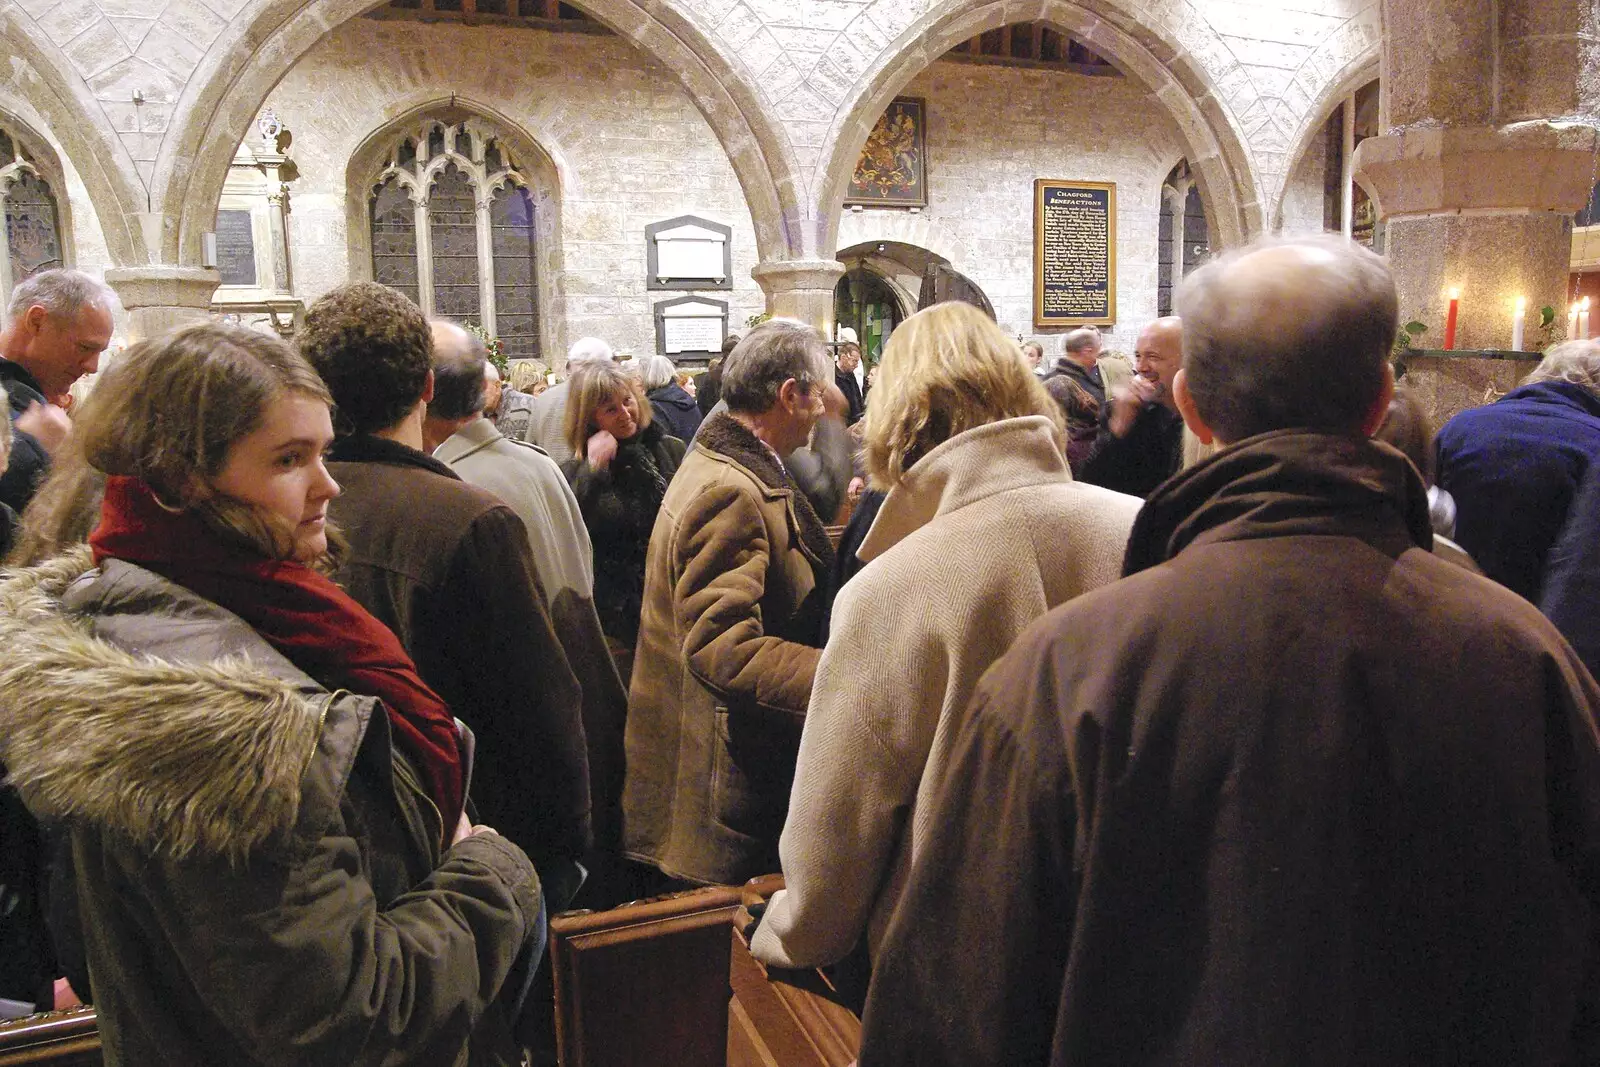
{"x":1450,"y":319}
{"x":1583,"y":320}
{"x":1519,"y":318}
{"x":1572,"y":322}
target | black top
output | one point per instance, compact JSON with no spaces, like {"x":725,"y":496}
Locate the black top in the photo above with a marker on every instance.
{"x":854,"y":395}
{"x":29,"y":461}
{"x":1151,"y":452}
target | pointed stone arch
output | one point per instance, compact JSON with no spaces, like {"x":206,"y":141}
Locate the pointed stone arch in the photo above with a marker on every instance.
{"x":268,"y":37}
{"x":48,"y":81}
{"x":1362,"y":69}
{"x":1147,"y":53}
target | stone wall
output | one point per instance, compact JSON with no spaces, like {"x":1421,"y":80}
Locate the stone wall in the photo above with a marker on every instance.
{"x":628,"y":144}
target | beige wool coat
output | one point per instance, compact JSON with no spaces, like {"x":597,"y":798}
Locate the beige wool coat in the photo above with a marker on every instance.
{"x":985,"y":534}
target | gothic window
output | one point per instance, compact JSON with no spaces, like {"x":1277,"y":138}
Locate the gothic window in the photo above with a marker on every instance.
{"x":30,"y":240}
{"x":453,"y":227}
{"x":1183,"y":241}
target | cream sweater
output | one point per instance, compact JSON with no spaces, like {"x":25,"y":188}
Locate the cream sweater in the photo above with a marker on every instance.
{"x":985,"y":534}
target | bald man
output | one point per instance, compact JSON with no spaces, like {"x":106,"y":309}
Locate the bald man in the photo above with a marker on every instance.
{"x":1296,"y":790}
{"x":1140,"y":444}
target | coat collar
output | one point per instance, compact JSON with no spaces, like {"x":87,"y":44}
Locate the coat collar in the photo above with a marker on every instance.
{"x":730,"y":440}
{"x":366,"y":448}
{"x":472,"y":438}
{"x":969,"y":467}
{"x":1282,"y":484}
{"x":1556,"y":394}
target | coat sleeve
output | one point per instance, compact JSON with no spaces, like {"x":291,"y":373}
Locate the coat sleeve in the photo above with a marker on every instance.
{"x":504,"y":672}
{"x":862,"y":754}
{"x":968,"y":976}
{"x":723,"y":551}
{"x":301,"y":966}
{"x":24,"y":471}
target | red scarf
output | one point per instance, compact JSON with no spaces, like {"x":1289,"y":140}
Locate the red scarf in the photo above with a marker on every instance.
{"x":302,"y":614}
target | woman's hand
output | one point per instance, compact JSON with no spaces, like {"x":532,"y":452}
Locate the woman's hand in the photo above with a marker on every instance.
{"x":602,"y":450}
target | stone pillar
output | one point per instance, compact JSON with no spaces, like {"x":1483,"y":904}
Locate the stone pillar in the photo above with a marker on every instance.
{"x":801,"y":289}
{"x":1477,"y":175}
{"x":160,"y":298}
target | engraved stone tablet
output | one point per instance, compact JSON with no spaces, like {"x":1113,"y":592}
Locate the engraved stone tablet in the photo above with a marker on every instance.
{"x":689,"y":253}
{"x":690,"y":326}
{"x":236,"y":248}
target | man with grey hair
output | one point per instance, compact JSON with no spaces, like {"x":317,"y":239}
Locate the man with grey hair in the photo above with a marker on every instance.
{"x":731,"y":629}
{"x":1296,"y":789}
{"x":57,"y":324}
{"x":1514,"y":466}
{"x":459,"y":434}
{"x":546,"y":427}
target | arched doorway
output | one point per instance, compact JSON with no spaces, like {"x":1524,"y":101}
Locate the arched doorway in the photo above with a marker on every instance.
{"x":866,"y":302}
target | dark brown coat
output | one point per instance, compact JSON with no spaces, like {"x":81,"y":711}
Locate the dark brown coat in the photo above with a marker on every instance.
{"x":447,"y":567}
{"x":1297,"y":792}
{"x":728,"y":643}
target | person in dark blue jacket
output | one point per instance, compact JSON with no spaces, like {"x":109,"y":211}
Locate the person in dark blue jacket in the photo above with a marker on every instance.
{"x":1515,"y":466}
{"x":674,"y":408}
{"x":1571,"y":597}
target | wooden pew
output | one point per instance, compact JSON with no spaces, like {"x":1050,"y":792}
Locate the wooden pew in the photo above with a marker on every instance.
{"x":57,"y":1038}
{"x":671,"y":983}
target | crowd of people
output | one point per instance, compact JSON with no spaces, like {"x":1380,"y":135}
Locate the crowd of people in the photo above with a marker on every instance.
{"x":1198,"y":708}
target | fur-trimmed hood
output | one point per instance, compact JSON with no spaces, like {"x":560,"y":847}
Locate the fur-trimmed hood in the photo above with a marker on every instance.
{"x":727,"y":436}
{"x":129,"y":702}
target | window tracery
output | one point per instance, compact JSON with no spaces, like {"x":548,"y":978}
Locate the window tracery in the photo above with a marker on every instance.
{"x":453,"y":227}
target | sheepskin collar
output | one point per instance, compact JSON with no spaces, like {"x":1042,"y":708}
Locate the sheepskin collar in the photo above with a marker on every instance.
{"x":128,"y":702}
{"x":726,"y":435}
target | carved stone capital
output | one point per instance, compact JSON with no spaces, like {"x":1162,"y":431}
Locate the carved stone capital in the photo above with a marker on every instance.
{"x":1529,"y":167}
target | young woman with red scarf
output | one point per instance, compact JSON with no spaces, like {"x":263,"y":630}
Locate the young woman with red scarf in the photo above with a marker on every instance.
{"x":270,"y":857}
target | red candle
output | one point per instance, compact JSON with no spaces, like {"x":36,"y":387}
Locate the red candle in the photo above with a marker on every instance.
{"x":1450,"y":319}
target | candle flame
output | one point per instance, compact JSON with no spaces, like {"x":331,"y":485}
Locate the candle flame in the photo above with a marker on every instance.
{"x":1522,"y":304}
{"x":1585,"y":305}
{"x":1455,"y":294}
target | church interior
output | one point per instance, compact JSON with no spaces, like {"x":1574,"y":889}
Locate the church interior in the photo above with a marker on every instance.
{"x":667,"y":174}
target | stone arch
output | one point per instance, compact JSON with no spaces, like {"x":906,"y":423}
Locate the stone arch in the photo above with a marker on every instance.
{"x":902,"y":228}
{"x":66,"y":106}
{"x":1358,"y":72}
{"x":543,"y":170}
{"x":269,"y":37}
{"x":1215,"y":145}
{"x":42,"y":156}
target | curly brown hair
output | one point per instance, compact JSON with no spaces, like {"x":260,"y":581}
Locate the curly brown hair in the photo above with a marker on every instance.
{"x":374,"y":349}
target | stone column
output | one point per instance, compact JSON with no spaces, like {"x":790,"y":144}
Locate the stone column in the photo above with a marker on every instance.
{"x":160,"y":298}
{"x":801,"y":289}
{"x":1479,"y":171}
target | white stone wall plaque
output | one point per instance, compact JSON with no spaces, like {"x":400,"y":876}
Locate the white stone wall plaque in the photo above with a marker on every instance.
{"x":690,"y":326}
{"x":689,"y":253}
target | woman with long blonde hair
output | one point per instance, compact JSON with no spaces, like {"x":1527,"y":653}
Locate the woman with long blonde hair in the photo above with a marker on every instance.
{"x":623,"y":462}
{"x":982,"y":531}
{"x":265,"y":804}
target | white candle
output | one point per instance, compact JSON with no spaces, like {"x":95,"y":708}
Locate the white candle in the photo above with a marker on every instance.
{"x":1519,"y":319}
{"x":1583,"y":320}
{"x":1572,"y":323}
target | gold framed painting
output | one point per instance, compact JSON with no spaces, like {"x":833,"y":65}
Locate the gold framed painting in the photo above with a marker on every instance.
{"x":893,"y":168}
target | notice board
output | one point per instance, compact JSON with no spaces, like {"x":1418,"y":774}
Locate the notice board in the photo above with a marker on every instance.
{"x":1074,"y":253}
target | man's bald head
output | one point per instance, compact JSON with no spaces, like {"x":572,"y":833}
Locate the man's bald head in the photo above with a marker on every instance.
{"x":459,"y":380}
{"x":1288,"y":334}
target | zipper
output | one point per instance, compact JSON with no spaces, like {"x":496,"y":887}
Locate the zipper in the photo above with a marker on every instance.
{"x":403,"y":771}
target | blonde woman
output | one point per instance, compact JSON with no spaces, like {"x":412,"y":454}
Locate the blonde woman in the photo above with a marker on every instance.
{"x":623,"y":463}
{"x":983,"y":530}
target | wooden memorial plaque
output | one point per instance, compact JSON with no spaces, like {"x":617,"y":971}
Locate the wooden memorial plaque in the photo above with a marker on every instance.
{"x":1074,"y":253}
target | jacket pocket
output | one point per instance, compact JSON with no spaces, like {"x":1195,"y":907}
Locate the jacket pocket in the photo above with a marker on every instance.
{"x":751,"y":772}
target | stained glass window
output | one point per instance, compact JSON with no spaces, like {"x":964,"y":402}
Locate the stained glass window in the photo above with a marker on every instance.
{"x":455,"y":164}
{"x":453,"y":216}
{"x":394,"y":239}
{"x":516,"y":296}
{"x":30,"y":240}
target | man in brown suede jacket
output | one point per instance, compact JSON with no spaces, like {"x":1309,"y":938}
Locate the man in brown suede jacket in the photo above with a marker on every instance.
{"x":1296,"y":791}
{"x":731,"y":630}
{"x":448,"y":568}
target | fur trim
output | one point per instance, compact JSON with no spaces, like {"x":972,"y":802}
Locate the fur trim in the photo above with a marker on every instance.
{"x":726,"y":435}
{"x":180,"y":758}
